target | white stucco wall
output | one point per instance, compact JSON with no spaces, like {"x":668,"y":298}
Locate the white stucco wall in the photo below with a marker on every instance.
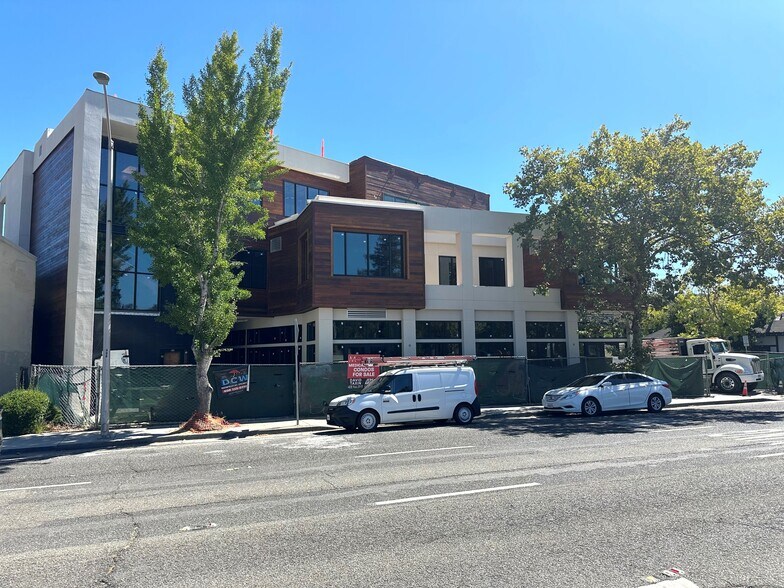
{"x":17,"y":295}
{"x":16,"y":190}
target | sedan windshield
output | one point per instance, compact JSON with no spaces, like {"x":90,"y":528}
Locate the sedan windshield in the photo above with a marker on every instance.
{"x":377,"y":385}
{"x":586,"y":381}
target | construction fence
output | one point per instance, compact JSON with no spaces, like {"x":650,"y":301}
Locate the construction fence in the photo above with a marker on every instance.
{"x":167,"y":394}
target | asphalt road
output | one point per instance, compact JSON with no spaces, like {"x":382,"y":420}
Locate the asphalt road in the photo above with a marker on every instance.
{"x":564,"y":502}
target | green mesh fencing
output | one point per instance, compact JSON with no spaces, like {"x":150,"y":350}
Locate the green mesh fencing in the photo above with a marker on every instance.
{"x":773,"y":366}
{"x":73,"y":389}
{"x":546,"y":374}
{"x":501,"y":381}
{"x":683,"y":374}
{"x":165,"y":394}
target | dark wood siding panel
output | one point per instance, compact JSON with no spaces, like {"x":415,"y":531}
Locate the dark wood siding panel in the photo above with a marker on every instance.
{"x":533,"y":274}
{"x":275,"y":208}
{"x":381,"y":178}
{"x":362,"y":292}
{"x":286,"y":293}
{"x":49,"y":232}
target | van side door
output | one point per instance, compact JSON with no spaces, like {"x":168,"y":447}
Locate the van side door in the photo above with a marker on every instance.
{"x":429,"y":393}
{"x":398,"y":402}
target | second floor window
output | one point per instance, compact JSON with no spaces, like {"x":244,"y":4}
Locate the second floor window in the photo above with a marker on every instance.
{"x":367,"y":254}
{"x":492,"y":271}
{"x":296,"y":197}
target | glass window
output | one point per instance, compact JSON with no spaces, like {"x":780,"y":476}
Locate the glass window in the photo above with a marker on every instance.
{"x":122,"y":292}
{"x":284,"y":334}
{"x":296,"y":196}
{"x":255,"y":268}
{"x":545,"y":330}
{"x":402,"y":383}
{"x":492,"y":271}
{"x":143,"y":260}
{"x":123,"y":254}
{"x":311,"y":331}
{"x":356,"y":254}
{"x":495,"y":349}
{"x":339,"y":253}
{"x":270,"y":355}
{"x":123,"y":208}
{"x":301,"y":196}
{"x":235,"y":338}
{"x":367,"y":254}
{"x":126,"y":165}
{"x":288,"y":199}
{"x":601,"y":328}
{"x":439,"y":330}
{"x":447,"y":270}
{"x":546,"y":350}
{"x":348,"y":330}
{"x":341,"y":351}
{"x":146,"y":292}
{"x":436,"y":348}
{"x":494,"y":330}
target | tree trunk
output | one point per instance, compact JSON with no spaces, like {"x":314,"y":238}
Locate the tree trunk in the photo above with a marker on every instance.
{"x":203,"y":386}
{"x":637,"y":354}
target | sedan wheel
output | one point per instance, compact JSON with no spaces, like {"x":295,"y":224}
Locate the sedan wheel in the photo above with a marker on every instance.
{"x":591,"y":407}
{"x":655,"y":403}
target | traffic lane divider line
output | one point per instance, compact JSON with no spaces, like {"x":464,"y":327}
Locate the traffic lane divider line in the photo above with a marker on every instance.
{"x":766,"y":455}
{"x":414,"y":451}
{"x":45,"y":486}
{"x":451,"y":494}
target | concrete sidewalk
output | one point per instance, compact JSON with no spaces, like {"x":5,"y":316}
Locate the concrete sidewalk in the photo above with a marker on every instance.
{"x":67,"y":441}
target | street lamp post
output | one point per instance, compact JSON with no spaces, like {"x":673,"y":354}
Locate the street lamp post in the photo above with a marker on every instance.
{"x":103,"y":79}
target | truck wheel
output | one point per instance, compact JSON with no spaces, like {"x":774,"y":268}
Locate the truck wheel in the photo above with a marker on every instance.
{"x":728,"y":383}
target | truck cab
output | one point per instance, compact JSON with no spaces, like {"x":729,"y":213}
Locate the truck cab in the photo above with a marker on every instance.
{"x":728,"y":370}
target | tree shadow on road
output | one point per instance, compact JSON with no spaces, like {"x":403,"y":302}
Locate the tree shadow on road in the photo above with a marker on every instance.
{"x":619,"y":423}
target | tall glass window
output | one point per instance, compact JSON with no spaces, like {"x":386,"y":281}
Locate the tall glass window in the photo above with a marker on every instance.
{"x":492,"y":271}
{"x":367,"y":254}
{"x":447,"y":270}
{"x":133,"y":286}
{"x":296,"y":196}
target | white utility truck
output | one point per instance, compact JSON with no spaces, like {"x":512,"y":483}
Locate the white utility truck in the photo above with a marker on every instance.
{"x":728,"y":370}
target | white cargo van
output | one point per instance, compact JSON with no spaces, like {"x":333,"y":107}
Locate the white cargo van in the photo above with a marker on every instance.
{"x":409,"y":394}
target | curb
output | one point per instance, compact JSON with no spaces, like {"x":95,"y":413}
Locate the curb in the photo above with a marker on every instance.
{"x":166,"y":438}
{"x":720,"y":402}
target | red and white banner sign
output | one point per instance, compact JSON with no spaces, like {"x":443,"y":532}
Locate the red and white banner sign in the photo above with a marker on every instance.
{"x":360,"y":368}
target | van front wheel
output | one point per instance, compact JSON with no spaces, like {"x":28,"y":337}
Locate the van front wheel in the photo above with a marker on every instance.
{"x":463,"y":415}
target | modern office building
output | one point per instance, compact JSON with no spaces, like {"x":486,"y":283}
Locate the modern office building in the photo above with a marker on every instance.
{"x":366,"y":257}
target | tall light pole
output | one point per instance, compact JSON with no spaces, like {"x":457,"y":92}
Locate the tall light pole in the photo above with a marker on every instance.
{"x":103,"y":79}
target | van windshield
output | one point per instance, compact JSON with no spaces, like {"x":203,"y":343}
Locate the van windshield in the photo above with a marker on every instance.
{"x":375,"y":386}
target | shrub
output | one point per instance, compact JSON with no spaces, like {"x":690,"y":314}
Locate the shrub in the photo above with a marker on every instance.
{"x":24,"y":411}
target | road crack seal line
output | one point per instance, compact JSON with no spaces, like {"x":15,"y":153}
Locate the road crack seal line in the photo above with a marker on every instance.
{"x":117,"y":558}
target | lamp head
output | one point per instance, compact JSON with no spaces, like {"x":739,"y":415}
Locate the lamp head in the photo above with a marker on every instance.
{"x":101,"y":77}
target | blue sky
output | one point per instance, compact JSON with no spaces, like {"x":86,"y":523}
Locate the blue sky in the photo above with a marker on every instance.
{"x":447,"y":88}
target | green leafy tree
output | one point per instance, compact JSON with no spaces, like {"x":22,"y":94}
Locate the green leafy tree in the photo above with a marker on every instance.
{"x":723,"y":310}
{"x":204,"y":175}
{"x":634,"y":217}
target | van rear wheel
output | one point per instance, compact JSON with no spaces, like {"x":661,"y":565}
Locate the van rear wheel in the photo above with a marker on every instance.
{"x":463,"y":414}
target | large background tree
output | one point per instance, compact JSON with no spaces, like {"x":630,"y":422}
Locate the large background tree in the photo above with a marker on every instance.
{"x":635,"y":217}
{"x":204,"y":175}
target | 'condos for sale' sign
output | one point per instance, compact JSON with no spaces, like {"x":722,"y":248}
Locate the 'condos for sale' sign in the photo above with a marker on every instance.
{"x":361,"y":369}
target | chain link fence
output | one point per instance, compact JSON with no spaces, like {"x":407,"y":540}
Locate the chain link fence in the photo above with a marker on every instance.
{"x":75,"y":390}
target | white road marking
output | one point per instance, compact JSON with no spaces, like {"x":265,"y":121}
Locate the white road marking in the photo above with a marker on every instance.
{"x":414,"y":451}
{"x":214,"y":451}
{"x":449,"y":494}
{"x":47,"y":486}
{"x":766,"y":455}
{"x":677,"y":429}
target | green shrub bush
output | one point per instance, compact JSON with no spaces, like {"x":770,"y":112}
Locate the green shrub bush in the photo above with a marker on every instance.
{"x":24,"y":411}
